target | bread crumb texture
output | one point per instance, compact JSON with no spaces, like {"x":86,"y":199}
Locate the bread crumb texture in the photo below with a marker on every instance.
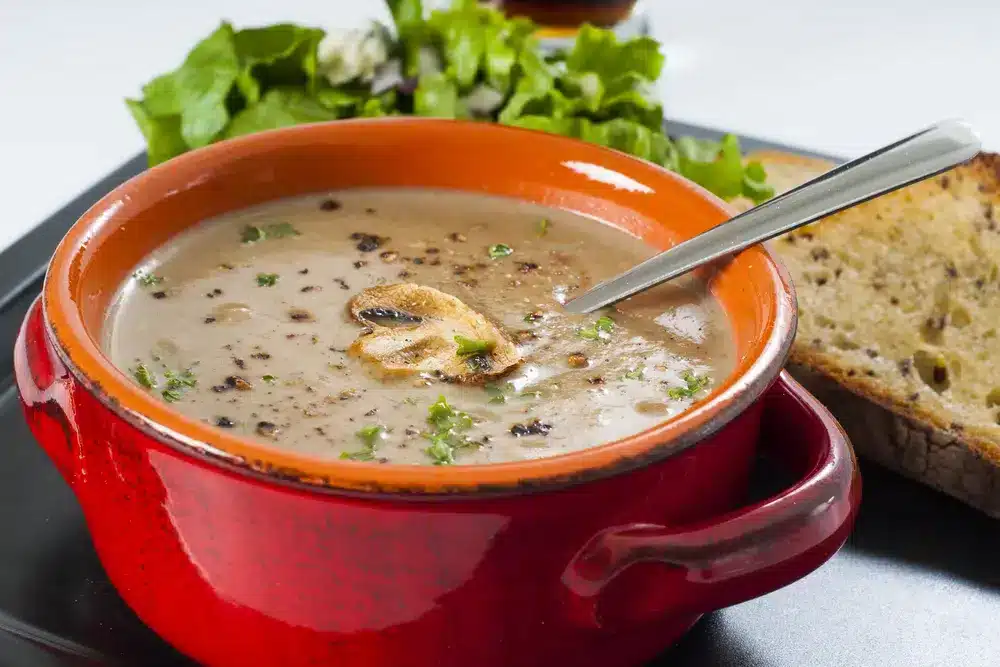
{"x":899,"y":312}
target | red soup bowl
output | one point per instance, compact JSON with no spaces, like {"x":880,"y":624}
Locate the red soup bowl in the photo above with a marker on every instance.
{"x":244,"y":555}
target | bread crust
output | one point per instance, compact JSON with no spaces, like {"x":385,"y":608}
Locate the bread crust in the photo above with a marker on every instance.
{"x":923,"y":442}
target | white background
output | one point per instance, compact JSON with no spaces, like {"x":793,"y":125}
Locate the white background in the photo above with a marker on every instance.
{"x":840,"y":76}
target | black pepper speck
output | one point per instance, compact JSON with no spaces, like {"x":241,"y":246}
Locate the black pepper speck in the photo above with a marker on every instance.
{"x":266,"y":429}
{"x":535,"y":427}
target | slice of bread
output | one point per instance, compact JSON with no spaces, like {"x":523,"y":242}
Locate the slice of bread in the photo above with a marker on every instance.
{"x":899,"y":302}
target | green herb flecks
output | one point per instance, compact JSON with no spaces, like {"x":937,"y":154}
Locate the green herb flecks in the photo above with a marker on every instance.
{"x":148,"y":279}
{"x":467,"y":61}
{"x":445,"y":435}
{"x":497,"y":393}
{"x":543,"y":226}
{"x":177,"y":384}
{"x":498,"y":250}
{"x":252,"y":234}
{"x":600,"y":331}
{"x":267,"y":279}
{"x":144,"y":376}
{"x":636,"y":373}
{"x":370,"y":437}
{"x":692,"y":385}
{"x":471,"y":346}
{"x":270,"y":379}
{"x":171,"y":395}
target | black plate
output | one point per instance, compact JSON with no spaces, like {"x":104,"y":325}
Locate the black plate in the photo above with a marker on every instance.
{"x":918,"y":584}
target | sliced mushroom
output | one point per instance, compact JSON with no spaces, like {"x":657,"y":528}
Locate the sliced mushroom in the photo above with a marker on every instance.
{"x":420,"y":335}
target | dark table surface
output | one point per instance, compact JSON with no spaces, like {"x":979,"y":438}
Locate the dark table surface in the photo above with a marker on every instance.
{"x":917,"y":585}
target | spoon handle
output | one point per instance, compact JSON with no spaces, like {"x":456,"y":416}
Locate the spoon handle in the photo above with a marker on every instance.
{"x":919,"y":156}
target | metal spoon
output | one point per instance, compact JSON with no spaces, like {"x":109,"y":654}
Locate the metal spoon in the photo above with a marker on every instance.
{"x":919,"y":156}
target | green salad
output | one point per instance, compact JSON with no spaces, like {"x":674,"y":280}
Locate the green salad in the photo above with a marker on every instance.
{"x":469,"y":61}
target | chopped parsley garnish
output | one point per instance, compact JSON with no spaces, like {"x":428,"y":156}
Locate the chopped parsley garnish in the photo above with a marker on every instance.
{"x":499,"y":250}
{"x":148,"y":279}
{"x":251,"y":234}
{"x":498,"y":392}
{"x":267,"y":279}
{"x":177,"y":384}
{"x":445,"y":436}
{"x":636,"y":373}
{"x":543,"y":226}
{"x":171,"y":395}
{"x":693,"y":384}
{"x":369,"y":436}
{"x":181,"y":380}
{"x":280,"y":230}
{"x":600,"y":331}
{"x":270,"y":379}
{"x":443,"y":416}
{"x":440,"y":451}
{"x":534,"y":316}
{"x":144,"y":376}
{"x":469,"y":346}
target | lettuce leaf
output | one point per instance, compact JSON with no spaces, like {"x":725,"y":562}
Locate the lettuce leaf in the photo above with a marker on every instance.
{"x":715,"y":165}
{"x":617,"y":63}
{"x":550,"y":103}
{"x":382,"y":105}
{"x":197,"y":90}
{"x":280,"y":107}
{"x":499,"y":59}
{"x":621,"y":134}
{"x":277,"y":55}
{"x":585,"y":88}
{"x":412,"y":32}
{"x":755,"y":185}
{"x":162,"y":134}
{"x":469,"y":60}
{"x":406,"y":13}
{"x":343,"y":103}
{"x":436,"y":96}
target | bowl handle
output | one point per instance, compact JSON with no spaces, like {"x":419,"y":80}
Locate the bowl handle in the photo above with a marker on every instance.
{"x":43,"y":383}
{"x":748,"y":552}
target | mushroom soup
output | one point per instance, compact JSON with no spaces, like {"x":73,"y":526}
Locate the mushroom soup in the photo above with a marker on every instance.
{"x":413,"y":326}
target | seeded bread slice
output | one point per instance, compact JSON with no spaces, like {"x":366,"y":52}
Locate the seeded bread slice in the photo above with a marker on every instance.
{"x":899,"y":304}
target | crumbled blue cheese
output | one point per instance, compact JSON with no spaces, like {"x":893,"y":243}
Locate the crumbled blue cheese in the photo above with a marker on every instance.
{"x":353,"y":54}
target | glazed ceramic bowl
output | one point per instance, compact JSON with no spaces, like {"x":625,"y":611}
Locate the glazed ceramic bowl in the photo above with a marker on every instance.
{"x":246,"y":556}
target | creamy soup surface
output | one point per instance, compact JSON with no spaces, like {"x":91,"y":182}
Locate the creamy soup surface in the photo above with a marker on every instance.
{"x":245,"y":321}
